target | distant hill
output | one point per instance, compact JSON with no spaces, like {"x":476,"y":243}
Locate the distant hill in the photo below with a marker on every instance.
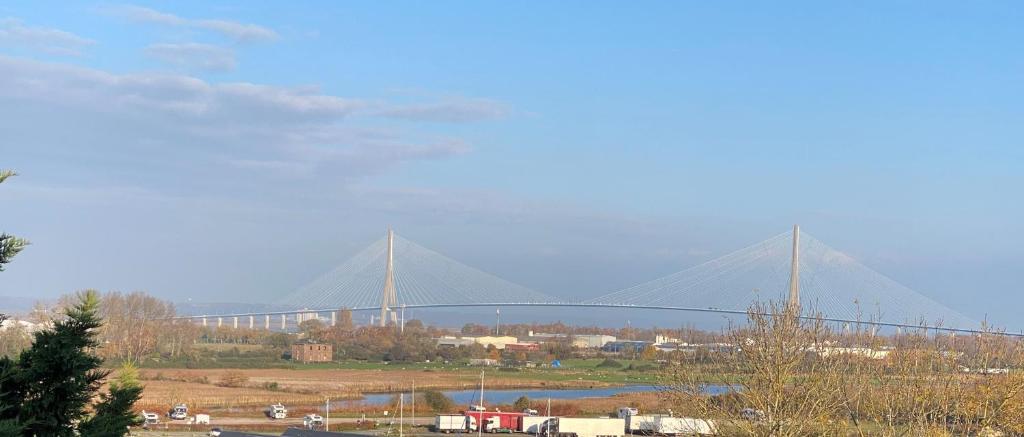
{"x":16,"y":304}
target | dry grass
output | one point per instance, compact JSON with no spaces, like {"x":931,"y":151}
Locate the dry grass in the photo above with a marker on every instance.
{"x":299,"y":388}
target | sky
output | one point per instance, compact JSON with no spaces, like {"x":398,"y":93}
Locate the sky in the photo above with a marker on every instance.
{"x":232,"y":152}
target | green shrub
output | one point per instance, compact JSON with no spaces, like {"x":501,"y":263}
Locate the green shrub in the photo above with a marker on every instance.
{"x":522,"y":403}
{"x":646,"y":367}
{"x":437,"y":401}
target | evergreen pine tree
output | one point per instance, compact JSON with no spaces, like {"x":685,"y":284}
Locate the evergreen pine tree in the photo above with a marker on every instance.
{"x":10,"y":399}
{"x":60,"y":374}
{"x":10,"y":390}
{"x":9,"y":244}
{"x":114,"y":412}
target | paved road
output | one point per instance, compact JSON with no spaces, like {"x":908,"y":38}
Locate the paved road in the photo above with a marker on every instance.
{"x":183,"y":429}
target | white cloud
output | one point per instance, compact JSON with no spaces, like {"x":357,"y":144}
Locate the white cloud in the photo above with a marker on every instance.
{"x":451,"y":110}
{"x":164,"y":120}
{"x":55,"y":41}
{"x":241,"y":32}
{"x":232,"y":103}
{"x":194,"y":56}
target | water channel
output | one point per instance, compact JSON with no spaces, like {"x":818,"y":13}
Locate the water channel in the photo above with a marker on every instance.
{"x":508,"y":396}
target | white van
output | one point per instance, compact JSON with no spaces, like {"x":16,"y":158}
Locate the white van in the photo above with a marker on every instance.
{"x":313,"y":421}
{"x":277,"y":411}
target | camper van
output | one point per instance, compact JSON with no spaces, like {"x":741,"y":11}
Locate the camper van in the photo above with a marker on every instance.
{"x":277,"y":411}
{"x":179,"y":412}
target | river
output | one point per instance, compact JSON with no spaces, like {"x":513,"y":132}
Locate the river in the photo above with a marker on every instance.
{"x":508,"y":396}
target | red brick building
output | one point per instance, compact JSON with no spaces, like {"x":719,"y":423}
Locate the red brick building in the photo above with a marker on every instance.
{"x":522,"y":347}
{"x":311,"y":352}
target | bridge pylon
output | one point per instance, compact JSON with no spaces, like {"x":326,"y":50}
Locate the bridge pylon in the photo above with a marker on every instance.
{"x":793,"y":302}
{"x":389,"y":299}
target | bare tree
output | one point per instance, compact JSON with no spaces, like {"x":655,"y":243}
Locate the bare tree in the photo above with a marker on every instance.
{"x":136,"y":324}
{"x":776,"y":375}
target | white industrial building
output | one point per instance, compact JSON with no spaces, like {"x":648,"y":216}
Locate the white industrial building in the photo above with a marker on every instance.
{"x":588,"y":341}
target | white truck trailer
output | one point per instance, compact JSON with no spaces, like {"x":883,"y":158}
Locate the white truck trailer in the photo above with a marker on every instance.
{"x":585,"y":427}
{"x":657,"y":424}
{"x":641,"y":423}
{"x":667,"y":425}
{"x":448,"y":423}
{"x":533,"y":424}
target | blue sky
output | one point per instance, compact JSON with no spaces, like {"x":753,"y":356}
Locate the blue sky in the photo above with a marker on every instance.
{"x":232,"y":151}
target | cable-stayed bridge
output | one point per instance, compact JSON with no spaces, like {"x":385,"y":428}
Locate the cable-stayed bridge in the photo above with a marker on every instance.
{"x":828,"y":281}
{"x":420,"y":277}
{"x":394,"y":273}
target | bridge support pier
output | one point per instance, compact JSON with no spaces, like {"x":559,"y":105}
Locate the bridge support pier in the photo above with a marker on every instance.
{"x":267,"y":322}
{"x":204,"y":322}
{"x":334,"y":318}
{"x":234,"y":322}
{"x":220,"y":321}
{"x":284,"y":322}
{"x":252,"y":321}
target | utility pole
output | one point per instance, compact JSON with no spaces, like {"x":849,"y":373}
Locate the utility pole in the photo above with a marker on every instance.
{"x":327,"y":415}
{"x":497,"y":326}
{"x":401,"y":413}
{"x":414,"y":403}
{"x":480,"y":422}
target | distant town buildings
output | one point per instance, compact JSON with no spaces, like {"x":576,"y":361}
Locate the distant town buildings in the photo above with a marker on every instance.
{"x":625,"y":346}
{"x":499,"y":342}
{"x":864,"y":352}
{"x":607,"y":343}
{"x":455,"y":341}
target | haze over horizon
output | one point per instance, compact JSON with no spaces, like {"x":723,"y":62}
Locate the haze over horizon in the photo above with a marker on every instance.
{"x":234,"y":153}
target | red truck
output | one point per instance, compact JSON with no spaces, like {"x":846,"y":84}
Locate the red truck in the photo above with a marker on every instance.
{"x":495,"y":421}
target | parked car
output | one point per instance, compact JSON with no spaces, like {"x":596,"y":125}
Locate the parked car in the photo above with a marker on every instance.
{"x":313,"y":421}
{"x":149,"y":418}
